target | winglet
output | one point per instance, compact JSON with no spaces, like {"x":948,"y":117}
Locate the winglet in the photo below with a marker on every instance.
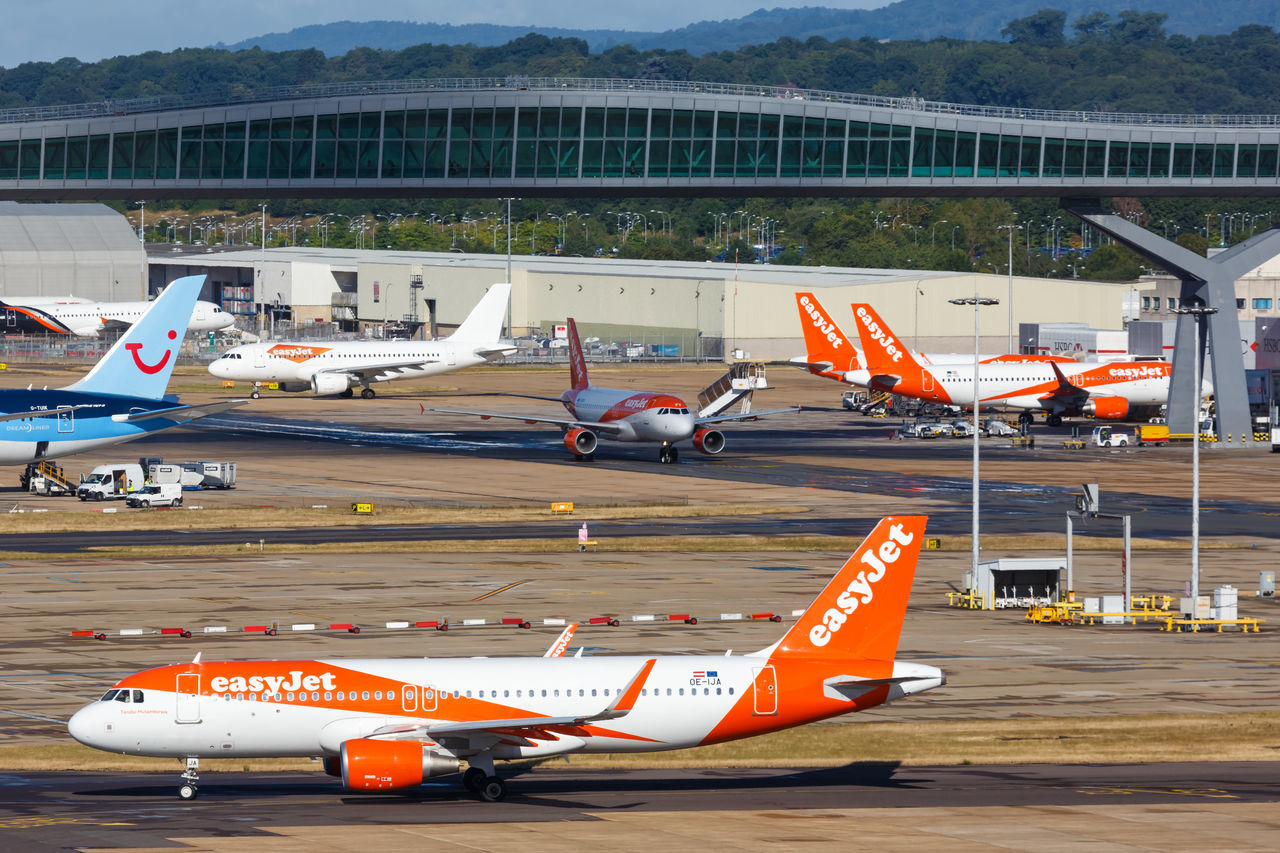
{"x":561,"y":645}
{"x":627,"y":698}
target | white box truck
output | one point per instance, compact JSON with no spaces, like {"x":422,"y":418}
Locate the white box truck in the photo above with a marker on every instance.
{"x":110,"y":482}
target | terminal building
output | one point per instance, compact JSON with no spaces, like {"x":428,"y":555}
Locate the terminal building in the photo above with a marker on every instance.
{"x":695,"y":310}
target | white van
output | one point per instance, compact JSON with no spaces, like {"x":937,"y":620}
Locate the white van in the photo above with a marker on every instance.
{"x":156,"y":494}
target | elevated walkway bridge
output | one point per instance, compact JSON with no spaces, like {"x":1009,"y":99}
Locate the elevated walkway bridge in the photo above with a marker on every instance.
{"x":578,"y":137}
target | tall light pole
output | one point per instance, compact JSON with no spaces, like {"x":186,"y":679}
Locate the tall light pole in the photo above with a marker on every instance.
{"x":933,"y":231}
{"x":142,"y":244}
{"x":1198,"y":313}
{"x":1010,"y":229}
{"x":977,"y":302}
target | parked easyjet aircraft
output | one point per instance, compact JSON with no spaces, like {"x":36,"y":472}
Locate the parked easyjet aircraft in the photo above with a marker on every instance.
{"x":383,"y":724}
{"x":620,"y":415}
{"x":1114,"y":390}
{"x":72,"y":316}
{"x":120,"y":399}
{"x":830,"y":353}
{"x":336,"y":368}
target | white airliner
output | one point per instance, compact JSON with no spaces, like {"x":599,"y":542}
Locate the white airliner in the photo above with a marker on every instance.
{"x":336,"y":368}
{"x":1112,"y":390}
{"x":621,"y":415}
{"x":830,"y":353}
{"x":382,"y":724}
{"x":70,"y":315}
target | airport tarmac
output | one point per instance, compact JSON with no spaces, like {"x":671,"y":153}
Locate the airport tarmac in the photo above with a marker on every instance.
{"x":841,"y":469}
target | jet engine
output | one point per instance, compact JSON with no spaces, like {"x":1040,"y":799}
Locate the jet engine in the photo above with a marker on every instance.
{"x":330,"y":383}
{"x":384,"y":765}
{"x":708,"y":441}
{"x":1107,"y":408}
{"x":580,"y":442}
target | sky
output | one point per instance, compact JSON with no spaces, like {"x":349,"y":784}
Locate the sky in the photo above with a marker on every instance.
{"x":91,"y":30}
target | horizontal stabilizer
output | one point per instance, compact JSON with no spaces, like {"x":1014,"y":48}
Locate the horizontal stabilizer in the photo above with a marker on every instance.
{"x":179,"y":413}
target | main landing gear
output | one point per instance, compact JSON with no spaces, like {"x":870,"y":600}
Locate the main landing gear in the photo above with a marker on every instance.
{"x":480,"y":779}
{"x":367,"y":393}
{"x":1054,"y":420}
{"x":1026,"y":418}
{"x":667,"y":454}
{"x":190,"y":775}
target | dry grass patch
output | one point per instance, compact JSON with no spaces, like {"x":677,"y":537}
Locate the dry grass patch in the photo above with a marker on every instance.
{"x":1043,"y":740}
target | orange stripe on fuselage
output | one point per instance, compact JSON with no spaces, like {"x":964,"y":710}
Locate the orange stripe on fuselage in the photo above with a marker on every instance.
{"x":316,"y":677}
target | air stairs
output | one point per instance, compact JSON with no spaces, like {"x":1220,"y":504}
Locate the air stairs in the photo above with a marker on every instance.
{"x":742,"y":379}
{"x":46,"y":478}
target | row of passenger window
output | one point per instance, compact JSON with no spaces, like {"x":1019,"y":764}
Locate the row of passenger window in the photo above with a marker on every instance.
{"x":391,"y":696}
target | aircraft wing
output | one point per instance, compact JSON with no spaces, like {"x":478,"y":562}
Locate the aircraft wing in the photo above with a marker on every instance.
{"x":567,"y":423}
{"x":742,"y":417}
{"x":1064,"y":390}
{"x":42,"y":413}
{"x":180,"y":413}
{"x":371,"y":372}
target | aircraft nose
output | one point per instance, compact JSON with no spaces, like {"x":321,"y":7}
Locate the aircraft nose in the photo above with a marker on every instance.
{"x":218,"y":368}
{"x":85,"y":725}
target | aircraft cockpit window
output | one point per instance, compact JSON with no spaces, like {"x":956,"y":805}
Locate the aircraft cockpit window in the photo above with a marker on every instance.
{"x":122,"y":696}
{"x":109,"y":695}
{"x":137,"y":697}
{"x":664,"y":411}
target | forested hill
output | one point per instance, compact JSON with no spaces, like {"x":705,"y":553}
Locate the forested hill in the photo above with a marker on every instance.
{"x":1127,"y":65}
{"x":906,"y":20}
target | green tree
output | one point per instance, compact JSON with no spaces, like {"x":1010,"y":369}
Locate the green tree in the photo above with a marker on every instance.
{"x":1043,"y":29}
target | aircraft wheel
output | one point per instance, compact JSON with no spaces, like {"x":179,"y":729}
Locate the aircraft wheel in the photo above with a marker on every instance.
{"x":664,"y":455}
{"x":1026,"y":418}
{"x":473,"y":780}
{"x":188,"y":792}
{"x":347,"y":393}
{"x":254,"y":395}
{"x":675,"y":455}
{"x":493,"y":790}
{"x":1054,"y":420}
{"x":367,"y":393}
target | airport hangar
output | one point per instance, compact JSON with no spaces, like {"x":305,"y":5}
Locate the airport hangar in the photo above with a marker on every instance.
{"x":564,"y":137}
{"x":696,"y":310}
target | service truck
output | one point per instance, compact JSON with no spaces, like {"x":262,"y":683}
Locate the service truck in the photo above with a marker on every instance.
{"x":1107,"y":436}
{"x":110,"y":482}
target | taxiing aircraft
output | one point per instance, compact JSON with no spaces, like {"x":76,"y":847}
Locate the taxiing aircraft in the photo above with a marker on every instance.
{"x":84,"y":318}
{"x":830,"y":353}
{"x":391,"y":723}
{"x":620,"y":415}
{"x":120,"y":399}
{"x":1112,"y":390}
{"x":336,"y":368}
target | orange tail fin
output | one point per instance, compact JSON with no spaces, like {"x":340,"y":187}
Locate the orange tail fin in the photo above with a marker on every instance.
{"x":577,"y":363}
{"x":824,"y":341}
{"x":881,"y":348}
{"x":859,"y":614}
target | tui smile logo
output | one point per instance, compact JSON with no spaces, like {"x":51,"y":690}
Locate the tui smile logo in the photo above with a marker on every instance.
{"x":150,"y":368}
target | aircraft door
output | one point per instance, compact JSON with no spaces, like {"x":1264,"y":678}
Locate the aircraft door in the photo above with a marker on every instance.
{"x":766,"y":692}
{"x":430,"y":698}
{"x":409,"y":697}
{"x":11,"y":318}
{"x":259,"y":358}
{"x":188,"y":696}
{"x":66,"y":422}
{"x":451,"y":355}
{"x":926,"y":381}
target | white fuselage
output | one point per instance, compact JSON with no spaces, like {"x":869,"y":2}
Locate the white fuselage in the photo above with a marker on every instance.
{"x":88,"y":318}
{"x":299,"y":362}
{"x":638,"y":416}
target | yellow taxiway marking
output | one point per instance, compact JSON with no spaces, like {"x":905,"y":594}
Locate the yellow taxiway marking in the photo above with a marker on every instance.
{"x":498,"y":590}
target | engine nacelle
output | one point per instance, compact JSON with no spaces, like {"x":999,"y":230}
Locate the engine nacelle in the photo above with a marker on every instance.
{"x":1107,"y":408}
{"x":294,"y":387}
{"x":384,"y":765}
{"x":580,"y":442}
{"x":708,"y":441}
{"x":330,"y":383}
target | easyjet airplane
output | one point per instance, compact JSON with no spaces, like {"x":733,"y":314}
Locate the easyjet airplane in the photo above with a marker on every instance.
{"x":386,"y":723}
{"x":830,"y":353}
{"x":338,"y":367}
{"x":1114,"y":390}
{"x":620,"y":415}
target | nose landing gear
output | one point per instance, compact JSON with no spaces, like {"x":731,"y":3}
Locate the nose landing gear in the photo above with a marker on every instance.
{"x":190,"y":775}
{"x":667,"y":454}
